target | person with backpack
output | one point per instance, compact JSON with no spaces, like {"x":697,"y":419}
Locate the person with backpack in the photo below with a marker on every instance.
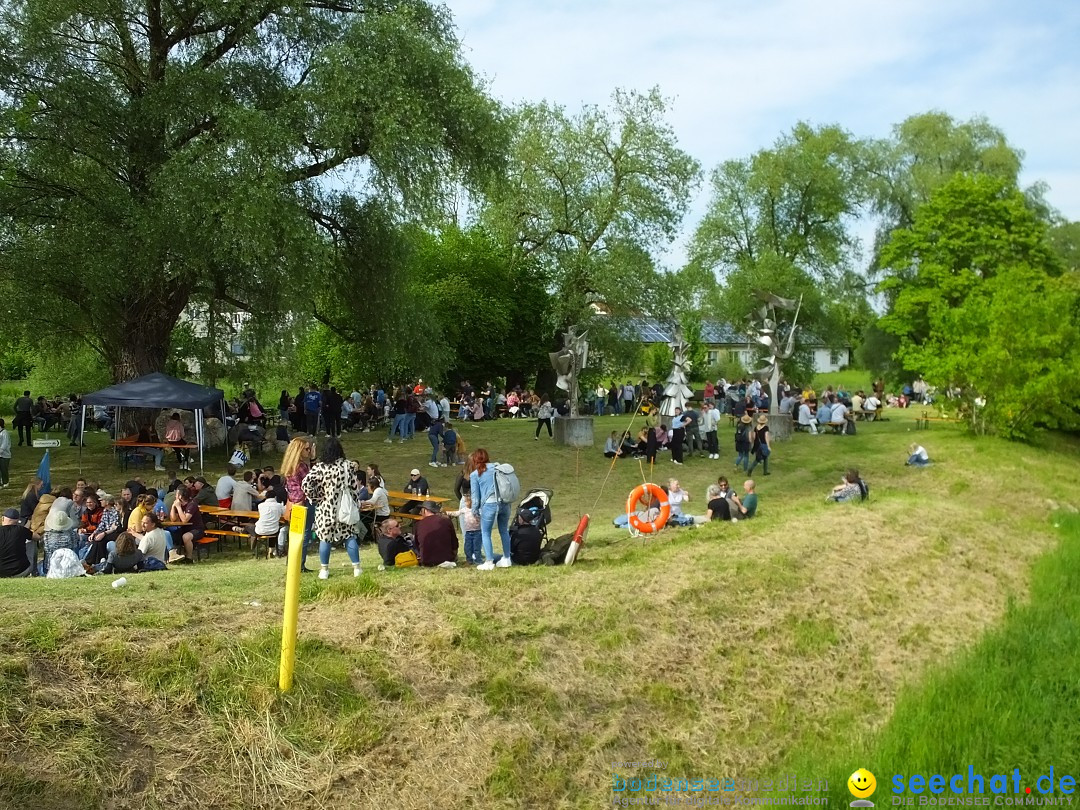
{"x":493,"y":493}
{"x":742,"y":442}
{"x":333,"y":485}
{"x":762,"y":445}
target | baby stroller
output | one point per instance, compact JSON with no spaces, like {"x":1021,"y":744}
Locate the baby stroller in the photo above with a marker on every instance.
{"x":538,"y":502}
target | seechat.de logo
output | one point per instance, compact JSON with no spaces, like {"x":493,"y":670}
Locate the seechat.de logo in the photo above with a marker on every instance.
{"x":862,"y":785}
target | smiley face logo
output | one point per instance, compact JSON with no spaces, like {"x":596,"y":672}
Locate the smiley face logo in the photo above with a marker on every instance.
{"x":861,"y":783}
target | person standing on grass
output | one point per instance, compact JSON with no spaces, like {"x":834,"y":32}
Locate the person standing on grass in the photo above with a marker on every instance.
{"x":24,"y":417}
{"x":710,"y":419}
{"x":5,"y":456}
{"x":434,"y":434}
{"x":294,"y":468}
{"x":487,"y":507}
{"x":762,"y":446}
{"x":743,"y":434}
{"x":545,"y":414}
{"x":332,"y":480}
{"x":675,"y":443}
{"x":449,"y":440}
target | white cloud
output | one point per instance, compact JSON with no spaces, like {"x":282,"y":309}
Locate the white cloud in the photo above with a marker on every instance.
{"x":741,"y":74}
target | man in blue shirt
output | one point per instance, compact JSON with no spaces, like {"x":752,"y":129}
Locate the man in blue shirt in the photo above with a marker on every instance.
{"x":312,"y":408}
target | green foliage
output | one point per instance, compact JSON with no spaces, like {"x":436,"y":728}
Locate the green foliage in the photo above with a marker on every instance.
{"x":1064,"y":240}
{"x":924,"y":153}
{"x":77,"y":370}
{"x":695,"y":348}
{"x":589,"y":196}
{"x":658,"y":361}
{"x":17,"y":359}
{"x":979,"y":303}
{"x":198,"y":175}
{"x":877,"y":353}
{"x":778,"y":221}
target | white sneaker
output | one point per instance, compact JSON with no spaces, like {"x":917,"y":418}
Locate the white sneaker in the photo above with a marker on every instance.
{"x":388,"y":441}
{"x":442,"y":465}
{"x":504,"y":562}
{"x":676,"y":462}
{"x":159,"y":469}
{"x":324,"y":573}
{"x":486,"y":566}
{"x":357,"y":570}
{"x":433,"y":464}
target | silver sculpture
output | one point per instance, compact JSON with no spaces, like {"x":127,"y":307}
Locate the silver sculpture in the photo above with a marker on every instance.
{"x":568,"y":363}
{"x":676,"y":391}
{"x":767,"y":336}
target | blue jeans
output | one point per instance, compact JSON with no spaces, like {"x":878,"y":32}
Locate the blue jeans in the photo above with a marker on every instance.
{"x":351,"y":548}
{"x":473,"y":544}
{"x":491,"y":513}
{"x":398,"y":426}
{"x":742,"y":459}
{"x":598,"y":407}
{"x":434,"y":447}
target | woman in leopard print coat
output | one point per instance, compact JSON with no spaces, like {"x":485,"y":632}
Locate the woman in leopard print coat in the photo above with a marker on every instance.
{"x":324,"y":485}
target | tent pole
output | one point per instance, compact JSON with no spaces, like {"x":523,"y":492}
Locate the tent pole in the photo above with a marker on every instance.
{"x":82,"y":435}
{"x":202,"y":434}
{"x":225,"y":425}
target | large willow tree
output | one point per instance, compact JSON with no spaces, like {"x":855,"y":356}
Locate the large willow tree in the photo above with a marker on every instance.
{"x":255,"y":154}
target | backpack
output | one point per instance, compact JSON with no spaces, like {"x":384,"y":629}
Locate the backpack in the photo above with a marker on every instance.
{"x":849,"y":428}
{"x":864,"y":490}
{"x":507,"y":486}
{"x":406,"y":559}
{"x":741,"y":433}
{"x":554,"y":551}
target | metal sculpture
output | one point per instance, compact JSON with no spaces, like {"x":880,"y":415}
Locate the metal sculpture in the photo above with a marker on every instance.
{"x":676,"y":392}
{"x":768,"y":337}
{"x":568,"y":363}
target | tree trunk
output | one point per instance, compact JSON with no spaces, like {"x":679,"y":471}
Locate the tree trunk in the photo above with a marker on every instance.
{"x":143,"y":346}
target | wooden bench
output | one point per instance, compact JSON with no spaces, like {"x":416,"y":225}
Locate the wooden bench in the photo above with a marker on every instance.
{"x":406,"y":516}
{"x":923,"y":422}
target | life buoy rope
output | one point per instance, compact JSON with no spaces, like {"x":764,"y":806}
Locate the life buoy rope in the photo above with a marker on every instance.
{"x":644,"y":526}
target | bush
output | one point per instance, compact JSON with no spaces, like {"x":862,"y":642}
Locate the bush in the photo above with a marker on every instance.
{"x":79,"y":370}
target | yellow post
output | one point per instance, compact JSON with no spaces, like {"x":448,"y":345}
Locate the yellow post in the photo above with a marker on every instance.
{"x":292,"y":597}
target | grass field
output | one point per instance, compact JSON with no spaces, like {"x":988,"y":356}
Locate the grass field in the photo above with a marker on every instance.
{"x":809,"y":636}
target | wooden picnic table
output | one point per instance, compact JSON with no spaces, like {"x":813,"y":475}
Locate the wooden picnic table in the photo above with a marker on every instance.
{"x":129,"y":441}
{"x":238,"y":513}
{"x":394,"y":495}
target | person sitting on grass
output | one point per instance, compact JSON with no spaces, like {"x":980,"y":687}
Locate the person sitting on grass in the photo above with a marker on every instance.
{"x":612,"y":446}
{"x":14,"y":538}
{"x":60,"y":532}
{"x":677,"y":496}
{"x":735,"y":506}
{"x":917,"y":456}
{"x":153,"y":540}
{"x":108,"y":528}
{"x":749,"y":499}
{"x":125,"y":558}
{"x":436,"y":540}
{"x":850,"y":488}
{"x":719,"y":507}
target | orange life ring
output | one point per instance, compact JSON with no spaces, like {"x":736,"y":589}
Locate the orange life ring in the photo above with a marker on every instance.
{"x":637,"y":523}
{"x":580,"y":534}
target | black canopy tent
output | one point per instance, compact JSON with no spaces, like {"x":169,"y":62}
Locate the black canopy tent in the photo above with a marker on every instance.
{"x":156,"y":390}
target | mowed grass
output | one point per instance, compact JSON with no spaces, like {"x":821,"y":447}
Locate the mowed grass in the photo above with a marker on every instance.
{"x":1008,"y":702}
{"x":724,"y":650}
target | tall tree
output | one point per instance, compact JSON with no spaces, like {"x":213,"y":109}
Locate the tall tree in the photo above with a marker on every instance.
{"x":924,"y":152}
{"x":158,"y":153}
{"x":979,"y":303}
{"x":780,"y":221}
{"x":590,"y":196}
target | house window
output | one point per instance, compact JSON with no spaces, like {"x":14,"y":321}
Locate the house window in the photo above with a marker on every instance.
{"x":734,"y":357}
{"x":712,"y":355}
{"x":837,"y":358}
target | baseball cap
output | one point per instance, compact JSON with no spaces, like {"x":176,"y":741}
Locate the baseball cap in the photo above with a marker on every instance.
{"x":12,"y":513}
{"x":414,"y":471}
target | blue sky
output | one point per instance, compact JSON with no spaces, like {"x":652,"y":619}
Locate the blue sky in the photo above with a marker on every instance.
{"x":741,"y":73}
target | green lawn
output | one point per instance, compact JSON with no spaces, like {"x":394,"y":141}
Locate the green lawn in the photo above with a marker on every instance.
{"x":725,"y":650}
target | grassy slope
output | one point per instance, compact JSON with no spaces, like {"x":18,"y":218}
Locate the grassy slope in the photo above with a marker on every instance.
{"x":724,"y":650}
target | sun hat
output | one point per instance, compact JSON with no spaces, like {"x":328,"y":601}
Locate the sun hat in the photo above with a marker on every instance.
{"x":58,"y":521}
{"x":762,"y":419}
{"x":746,"y":420}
